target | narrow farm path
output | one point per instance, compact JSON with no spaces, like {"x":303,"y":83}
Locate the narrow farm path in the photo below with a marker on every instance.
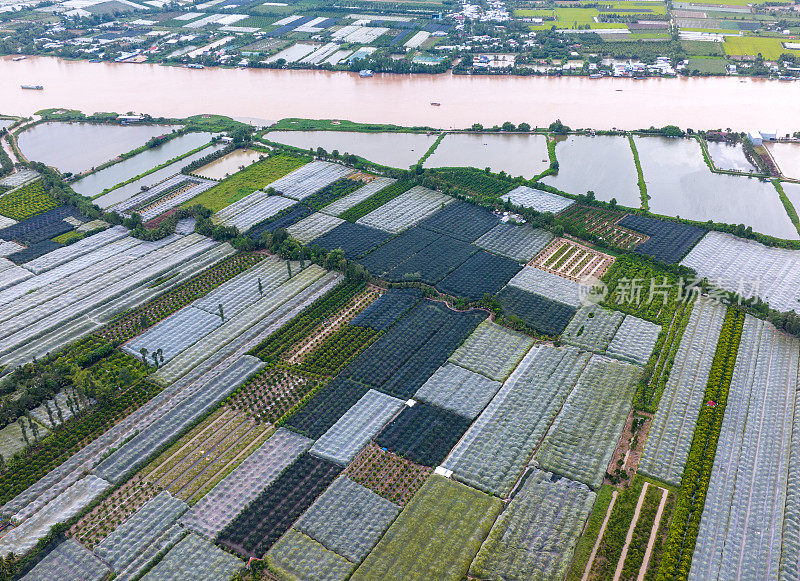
{"x":600,"y":536}
{"x":629,"y":536}
{"x":653,"y":534}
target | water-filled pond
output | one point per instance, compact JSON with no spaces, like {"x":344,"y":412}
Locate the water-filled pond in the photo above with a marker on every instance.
{"x":787,"y":156}
{"x":393,"y":149}
{"x":680,"y":183}
{"x":228,"y":164}
{"x":603,"y":164}
{"x":729,"y":156}
{"x":517,"y":154}
{"x":79,"y":146}
{"x":128,"y":190}
{"x":109,"y":177}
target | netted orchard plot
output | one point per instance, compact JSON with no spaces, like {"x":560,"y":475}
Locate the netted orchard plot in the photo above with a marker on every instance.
{"x":482,"y":273}
{"x":403,"y":358}
{"x":406,"y":210}
{"x":592,"y":328}
{"x":435,"y":537}
{"x":548,"y":285}
{"x":195,"y":558}
{"x":492,"y":350}
{"x":669,"y":241}
{"x":539,"y":200}
{"x":326,"y":407}
{"x":497,"y":447}
{"x":348,"y":519}
{"x":434,"y":262}
{"x":542,"y":314}
{"x":634,"y":340}
{"x":458,"y":390}
{"x":69,"y":560}
{"x":423,"y":433}
{"x":517,"y":242}
{"x":273,"y":511}
{"x":392,"y":305}
{"x":535,"y":535}
{"x":582,"y":439}
{"x":389,"y":255}
{"x":218,"y":508}
{"x":298,"y":556}
{"x":356,"y":427}
{"x":462,"y":221}
{"x":354,"y":240}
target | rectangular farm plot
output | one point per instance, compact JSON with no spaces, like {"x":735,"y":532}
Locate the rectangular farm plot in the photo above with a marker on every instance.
{"x":538,"y":200}
{"x":400,"y":248}
{"x":354,"y":240}
{"x":144,"y":527}
{"x":195,"y":558}
{"x":345,"y":439}
{"x":68,"y":561}
{"x":551,"y":286}
{"x":572,"y":260}
{"x":423,"y":433}
{"x":458,"y":390}
{"x":434,"y":262}
{"x":173,"y":334}
{"x":604,"y":223}
{"x":271,"y":514}
{"x":388,"y":475}
{"x":544,"y":315}
{"x":313,"y":227}
{"x":492,"y":350}
{"x":341,"y":205}
{"x":495,"y":450}
{"x":669,"y":241}
{"x":671,"y":433}
{"x":592,"y":328}
{"x":749,"y":525}
{"x":402,"y":359}
{"x":582,"y":439}
{"x":536,"y":534}
{"x":482,"y":273}
{"x":326,"y":407}
{"x":387,"y":309}
{"x":237,"y":490}
{"x":284,"y":218}
{"x":462,"y":221}
{"x":406,"y":210}
{"x":517,"y":242}
{"x":260,"y":208}
{"x":435,"y":537}
{"x":634,"y":340}
{"x":298,"y":556}
{"x":348,"y":519}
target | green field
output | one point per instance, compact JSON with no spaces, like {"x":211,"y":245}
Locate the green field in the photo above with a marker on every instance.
{"x":769,"y":48}
{"x":714,"y":66}
{"x":252,"y":178}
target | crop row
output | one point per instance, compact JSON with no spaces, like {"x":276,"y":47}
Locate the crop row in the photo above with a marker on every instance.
{"x":338,"y":350}
{"x":572,"y":260}
{"x":332,"y":192}
{"x":602,"y":222}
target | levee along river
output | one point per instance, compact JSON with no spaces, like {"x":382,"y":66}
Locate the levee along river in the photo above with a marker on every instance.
{"x":705,"y":103}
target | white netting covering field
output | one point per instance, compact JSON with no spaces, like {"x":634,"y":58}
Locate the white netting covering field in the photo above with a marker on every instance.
{"x":406,"y":210}
{"x":537,"y":199}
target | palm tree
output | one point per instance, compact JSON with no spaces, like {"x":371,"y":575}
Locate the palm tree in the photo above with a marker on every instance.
{"x":21,"y":423}
{"x":143,"y":351}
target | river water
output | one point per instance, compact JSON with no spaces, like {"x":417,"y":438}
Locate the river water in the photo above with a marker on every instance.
{"x":706,"y":103}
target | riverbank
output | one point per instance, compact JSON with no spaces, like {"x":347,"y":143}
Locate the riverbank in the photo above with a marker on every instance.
{"x":401,"y":99}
